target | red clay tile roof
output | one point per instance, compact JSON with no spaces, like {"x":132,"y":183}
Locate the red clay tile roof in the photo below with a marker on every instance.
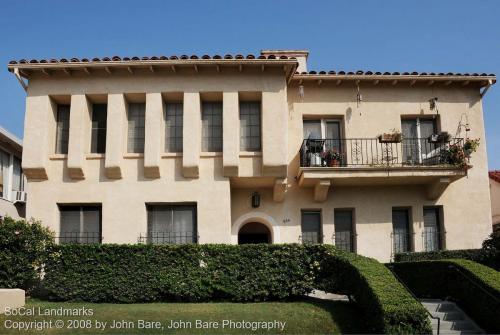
{"x":373,"y":73}
{"x":495,"y":175}
{"x":152,"y":58}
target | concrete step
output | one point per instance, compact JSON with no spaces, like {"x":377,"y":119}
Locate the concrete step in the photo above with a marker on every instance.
{"x":452,"y":319}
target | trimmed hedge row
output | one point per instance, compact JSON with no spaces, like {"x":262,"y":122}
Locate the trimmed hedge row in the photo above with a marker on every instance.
{"x":143,"y":273}
{"x":22,"y":251}
{"x":445,"y":279}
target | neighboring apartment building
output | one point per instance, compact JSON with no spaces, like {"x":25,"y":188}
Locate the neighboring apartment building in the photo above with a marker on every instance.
{"x":12,"y":195}
{"x":495,"y":199}
{"x":231,"y":149}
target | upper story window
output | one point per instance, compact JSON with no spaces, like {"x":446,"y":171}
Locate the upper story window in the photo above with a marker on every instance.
{"x":211,"y":122}
{"x":62,"y":129}
{"x":17,"y":175}
{"x":173,"y":127}
{"x":136,"y":132}
{"x":4,"y":173}
{"x":250,"y":139}
{"x":98,"y":137}
{"x":174,"y":224}
{"x":311,"y":227}
{"x":80,"y":224}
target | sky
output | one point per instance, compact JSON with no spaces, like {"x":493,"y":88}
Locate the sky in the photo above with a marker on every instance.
{"x":377,"y":35}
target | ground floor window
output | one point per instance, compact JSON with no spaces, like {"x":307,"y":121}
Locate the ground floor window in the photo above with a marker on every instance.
{"x":311,"y":227}
{"x":344,"y":229}
{"x":432,"y":235}
{"x":80,"y":224}
{"x":174,"y":224}
{"x":400,"y":230}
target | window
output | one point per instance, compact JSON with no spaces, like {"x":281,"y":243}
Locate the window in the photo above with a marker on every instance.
{"x":344,"y":232}
{"x":250,"y":126}
{"x":416,"y":147}
{"x":400,"y":230}
{"x":432,"y":235}
{"x":4,"y":173}
{"x":173,"y":127}
{"x":172,"y":224}
{"x":99,"y":116}
{"x":17,"y":175}
{"x":80,"y":224}
{"x":136,"y":114}
{"x":211,"y":121}
{"x":62,"y":129}
{"x":311,"y":227}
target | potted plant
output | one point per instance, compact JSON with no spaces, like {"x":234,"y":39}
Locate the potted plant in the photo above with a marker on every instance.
{"x":470,"y":146}
{"x":393,"y":137}
{"x":332,"y":157}
{"x":442,"y":137}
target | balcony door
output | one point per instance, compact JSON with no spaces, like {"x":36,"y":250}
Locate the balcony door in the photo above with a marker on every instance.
{"x":416,"y":148}
{"x":321,"y":135}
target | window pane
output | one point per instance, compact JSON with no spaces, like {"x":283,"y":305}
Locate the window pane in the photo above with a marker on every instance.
{"x":432,"y":232}
{"x":173,"y":127}
{"x":136,"y":132}
{"x":250,"y":126}
{"x":70,"y":224}
{"x":311,"y":227}
{"x":343,"y":230}
{"x":99,"y":119}
{"x":4,"y":173}
{"x":400,"y":230}
{"x":211,"y":127}
{"x":312,"y":129}
{"x":17,"y":180}
{"x":62,"y":129}
{"x":172,"y":224}
{"x":80,"y":224}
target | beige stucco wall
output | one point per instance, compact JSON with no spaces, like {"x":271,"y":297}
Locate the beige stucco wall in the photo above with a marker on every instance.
{"x":221,"y":184}
{"x":495,"y":201}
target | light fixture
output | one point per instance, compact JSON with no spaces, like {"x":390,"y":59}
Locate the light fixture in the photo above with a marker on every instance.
{"x":255,"y":200}
{"x":301,"y":91}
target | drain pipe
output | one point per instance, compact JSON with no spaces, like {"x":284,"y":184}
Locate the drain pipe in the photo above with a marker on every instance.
{"x":20,"y":79}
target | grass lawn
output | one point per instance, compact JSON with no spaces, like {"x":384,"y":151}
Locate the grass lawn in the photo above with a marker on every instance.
{"x":309,"y":316}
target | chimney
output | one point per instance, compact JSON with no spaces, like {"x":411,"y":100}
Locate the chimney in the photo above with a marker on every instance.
{"x":301,"y":56}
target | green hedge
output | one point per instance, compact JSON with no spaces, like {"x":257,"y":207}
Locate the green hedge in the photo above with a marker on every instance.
{"x":22,"y":250}
{"x":143,"y":273}
{"x":444,"y":279}
{"x":387,"y":305}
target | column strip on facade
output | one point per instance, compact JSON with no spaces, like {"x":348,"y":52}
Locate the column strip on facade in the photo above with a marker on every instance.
{"x":191,"y":135}
{"x":231,"y":134}
{"x":152,"y":142}
{"x":78,"y":118}
{"x":116,"y":130}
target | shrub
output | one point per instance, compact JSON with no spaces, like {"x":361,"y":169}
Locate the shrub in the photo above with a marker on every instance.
{"x":22,"y":251}
{"x":387,"y":305}
{"x":475,"y":287}
{"x":143,"y":273}
{"x":489,"y":255}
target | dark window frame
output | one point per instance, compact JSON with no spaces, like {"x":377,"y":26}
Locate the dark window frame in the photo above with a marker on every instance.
{"x":164,"y":237}
{"x":303,"y":234}
{"x":209,"y":141}
{"x":81,"y":236}
{"x":98,"y":129}
{"x":62,"y":129}
{"x":441,"y":232}
{"x":352,"y":238}
{"x":136,"y":140}
{"x":174,"y":112}
{"x":251,"y":131}
{"x":409,"y":228}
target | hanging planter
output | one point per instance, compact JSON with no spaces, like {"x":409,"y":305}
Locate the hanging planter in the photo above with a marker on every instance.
{"x":394,"y":137}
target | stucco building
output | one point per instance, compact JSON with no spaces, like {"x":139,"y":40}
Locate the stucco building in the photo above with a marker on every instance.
{"x":12,"y":195}
{"x":228,"y":149}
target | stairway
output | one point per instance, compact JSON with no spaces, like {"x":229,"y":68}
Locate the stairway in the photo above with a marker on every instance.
{"x":453,"y":319}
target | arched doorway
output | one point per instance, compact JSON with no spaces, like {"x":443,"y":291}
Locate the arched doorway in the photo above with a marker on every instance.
{"x":253,"y":233}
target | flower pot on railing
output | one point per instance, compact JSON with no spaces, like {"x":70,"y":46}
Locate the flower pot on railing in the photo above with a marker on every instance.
{"x":442,"y":137}
{"x":390,"y":138}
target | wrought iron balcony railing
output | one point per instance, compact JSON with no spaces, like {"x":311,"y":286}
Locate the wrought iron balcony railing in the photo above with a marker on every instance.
{"x":79,"y":237}
{"x":372,"y":152}
{"x":432,"y":239}
{"x":181,"y":237}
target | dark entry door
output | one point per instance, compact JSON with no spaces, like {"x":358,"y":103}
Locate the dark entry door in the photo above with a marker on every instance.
{"x":254,"y":233}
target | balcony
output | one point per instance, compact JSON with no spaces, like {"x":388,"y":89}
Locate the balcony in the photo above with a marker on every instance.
{"x":373,"y":161}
